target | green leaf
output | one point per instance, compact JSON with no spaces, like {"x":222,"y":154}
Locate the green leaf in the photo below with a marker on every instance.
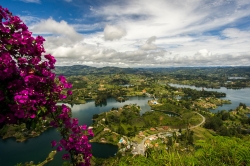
{"x":8,"y":47}
{"x":38,"y":112}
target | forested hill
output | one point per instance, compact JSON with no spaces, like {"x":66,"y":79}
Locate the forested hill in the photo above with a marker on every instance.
{"x":243,"y":71}
{"x":83,"y":70}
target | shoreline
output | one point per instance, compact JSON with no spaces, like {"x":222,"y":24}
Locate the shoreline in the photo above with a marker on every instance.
{"x":22,"y":136}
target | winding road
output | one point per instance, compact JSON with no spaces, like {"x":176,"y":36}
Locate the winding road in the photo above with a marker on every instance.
{"x":203,"y":121}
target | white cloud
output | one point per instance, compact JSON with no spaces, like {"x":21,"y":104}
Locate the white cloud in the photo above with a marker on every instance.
{"x":181,"y":51}
{"x":88,"y":27}
{"x":143,"y":19}
{"x":149,"y":45}
{"x":31,"y":1}
{"x":202,"y":56}
{"x":126,"y":36}
{"x":204,"y":53}
{"x":67,"y":0}
{"x":50,"y":26}
{"x":235,"y":33}
{"x":113,"y":32}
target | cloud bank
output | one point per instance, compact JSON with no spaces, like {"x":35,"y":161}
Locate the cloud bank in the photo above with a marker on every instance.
{"x":162,"y":33}
{"x":113,"y":32}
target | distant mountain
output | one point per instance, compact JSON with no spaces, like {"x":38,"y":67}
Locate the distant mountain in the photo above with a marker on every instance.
{"x":84,"y":70}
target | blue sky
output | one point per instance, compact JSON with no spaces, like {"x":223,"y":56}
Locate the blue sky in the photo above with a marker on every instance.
{"x":140,"y":33}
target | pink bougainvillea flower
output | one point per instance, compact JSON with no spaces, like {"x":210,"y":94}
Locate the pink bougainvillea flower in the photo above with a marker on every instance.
{"x":32,"y":116}
{"x":83,"y":127}
{"x":62,"y":78}
{"x":59,"y":148}
{"x":65,"y":157}
{"x":75,"y":121}
{"x":50,"y":58}
{"x":62,"y":96}
{"x":53,"y":124}
{"x":53,"y":143}
{"x":71,"y":139}
{"x":19,"y":113}
{"x":30,"y":90}
{"x":22,"y":60}
{"x":90,"y":132}
{"x":69,"y":92}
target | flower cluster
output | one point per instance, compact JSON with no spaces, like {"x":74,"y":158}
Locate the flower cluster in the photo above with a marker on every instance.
{"x":74,"y":141}
{"x":29,"y":90}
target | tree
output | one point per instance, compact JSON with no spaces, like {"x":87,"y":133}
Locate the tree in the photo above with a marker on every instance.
{"x":213,"y":123}
{"x":243,"y":105}
{"x":29,"y":89}
{"x":95,"y":116}
{"x":121,"y":130}
{"x":225,"y":116}
{"x":191,"y":138}
{"x":135,"y":129}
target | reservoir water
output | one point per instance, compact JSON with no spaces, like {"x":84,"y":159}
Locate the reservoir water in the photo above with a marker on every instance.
{"x":37,"y":149}
{"x":235,"y":95}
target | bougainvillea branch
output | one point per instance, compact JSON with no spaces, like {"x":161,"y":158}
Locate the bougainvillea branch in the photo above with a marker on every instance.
{"x":29,"y":90}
